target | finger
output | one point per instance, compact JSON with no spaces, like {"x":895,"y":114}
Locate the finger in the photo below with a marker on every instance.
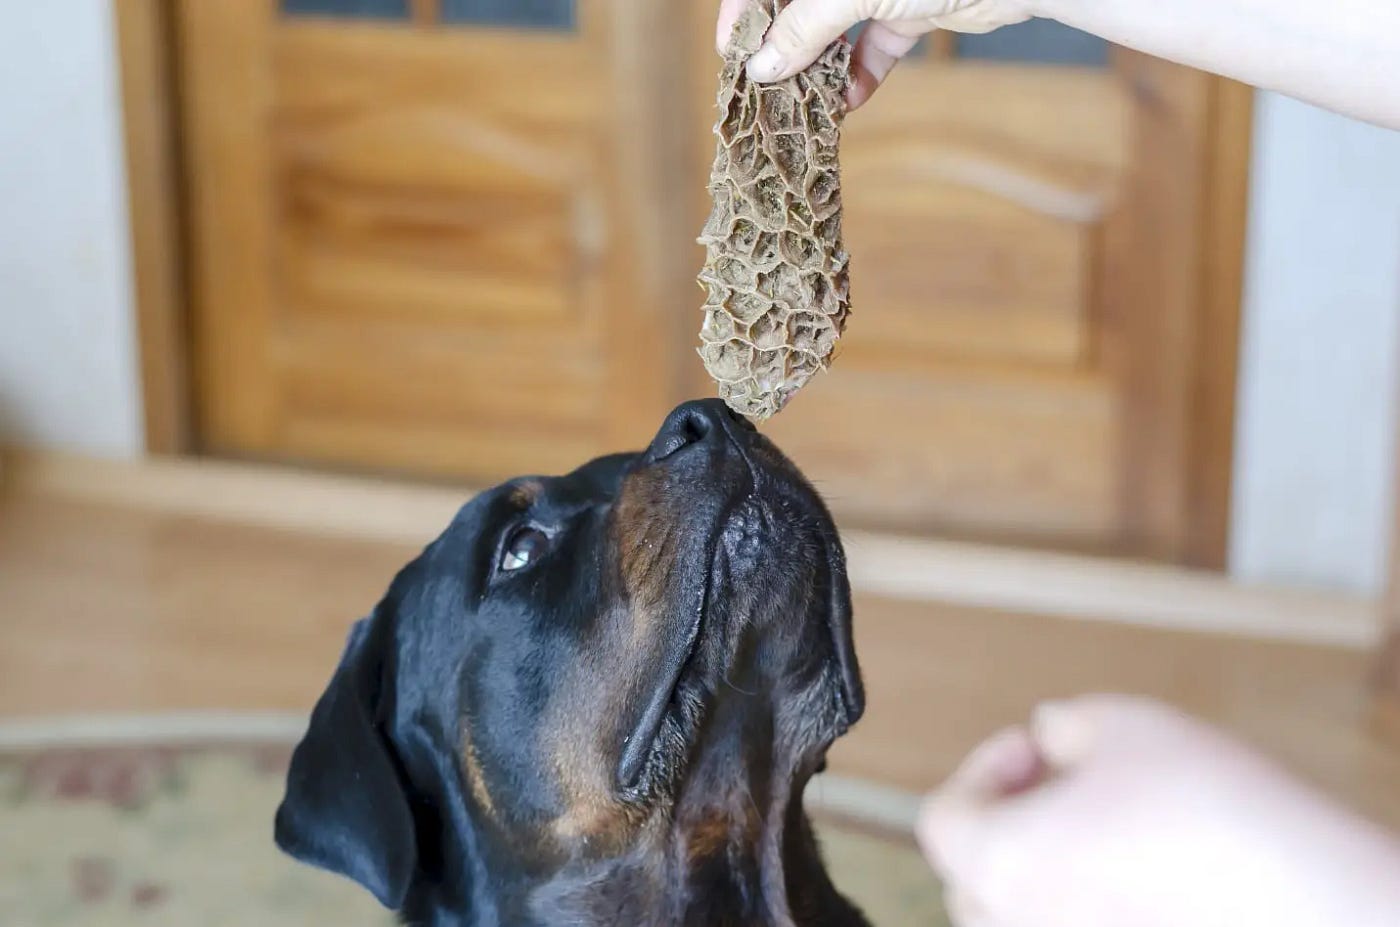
{"x":1065,"y":733}
{"x":729,"y":13}
{"x":1005,"y":763}
{"x":801,"y":32}
{"x":877,"y":51}
{"x":1069,"y":733}
{"x":951,"y":823}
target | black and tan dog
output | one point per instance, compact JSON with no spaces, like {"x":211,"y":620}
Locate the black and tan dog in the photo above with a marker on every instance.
{"x":596,"y":699}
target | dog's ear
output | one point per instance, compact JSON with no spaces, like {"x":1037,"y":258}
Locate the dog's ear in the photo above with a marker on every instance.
{"x":346,"y":808}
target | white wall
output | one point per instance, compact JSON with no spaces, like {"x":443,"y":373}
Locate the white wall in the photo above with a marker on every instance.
{"x":1317,"y":410}
{"x":67,"y":355}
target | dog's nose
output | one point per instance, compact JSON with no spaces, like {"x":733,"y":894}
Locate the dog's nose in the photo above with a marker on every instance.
{"x":700,"y":421}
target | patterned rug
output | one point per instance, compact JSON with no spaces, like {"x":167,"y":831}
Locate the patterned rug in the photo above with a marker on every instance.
{"x":180,"y":835}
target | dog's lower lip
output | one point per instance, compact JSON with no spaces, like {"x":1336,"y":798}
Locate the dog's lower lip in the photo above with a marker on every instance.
{"x":638,"y":746}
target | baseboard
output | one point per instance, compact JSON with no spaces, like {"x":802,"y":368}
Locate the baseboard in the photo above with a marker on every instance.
{"x":246,"y":493}
{"x":1104,"y":589}
{"x":977,"y":575}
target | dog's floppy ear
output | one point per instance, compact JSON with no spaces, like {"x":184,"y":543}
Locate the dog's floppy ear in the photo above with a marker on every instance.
{"x":346,"y":808}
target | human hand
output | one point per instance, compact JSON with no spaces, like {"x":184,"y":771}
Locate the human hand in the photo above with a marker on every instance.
{"x":806,"y":27}
{"x":1118,"y":812}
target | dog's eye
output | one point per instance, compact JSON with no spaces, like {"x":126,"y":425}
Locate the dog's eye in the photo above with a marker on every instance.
{"x":523,"y":547}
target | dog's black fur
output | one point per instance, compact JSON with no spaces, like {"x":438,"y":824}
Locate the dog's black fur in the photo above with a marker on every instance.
{"x":596,"y":700}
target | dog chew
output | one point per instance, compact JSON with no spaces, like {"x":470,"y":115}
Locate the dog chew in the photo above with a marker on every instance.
{"x":775,"y":269}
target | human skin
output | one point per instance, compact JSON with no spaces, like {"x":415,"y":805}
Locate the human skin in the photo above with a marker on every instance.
{"x":1111,"y":811}
{"x":1339,"y":54}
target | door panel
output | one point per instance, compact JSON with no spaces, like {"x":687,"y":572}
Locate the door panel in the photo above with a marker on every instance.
{"x":400,"y":266}
{"x":456,"y":237}
{"x":370,"y":9}
{"x":992,"y":455}
{"x":976,"y":195}
{"x":1026,"y":214}
{"x":1014,"y":270}
{"x":531,"y":14}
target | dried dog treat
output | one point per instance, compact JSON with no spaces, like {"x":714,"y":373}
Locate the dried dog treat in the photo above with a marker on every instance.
{"x":775,"y":268}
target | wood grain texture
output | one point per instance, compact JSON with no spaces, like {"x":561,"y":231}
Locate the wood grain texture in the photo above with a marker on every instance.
{"x":1386,"y":667}
{"x":425,"y":12}
{"x":115,"y":608}
{"x":652,"y":263}
{"x":1217,"y":346}
{"x":448,"y":281}
{"x":1149,"y":297}
{"x":396,"y":270}
{"x":227,"y":101}
{"x":145,"y":47}
{"x":1045,"y":277}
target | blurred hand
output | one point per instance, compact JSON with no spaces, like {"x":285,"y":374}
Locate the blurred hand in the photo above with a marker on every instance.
{"x":806,"y":27}
{"x":1117,"y":812}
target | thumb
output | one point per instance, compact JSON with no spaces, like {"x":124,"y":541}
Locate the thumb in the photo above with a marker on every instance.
{"x":957,"y":822}
{"x":801,"y":32}
{"x":1066,"y":733}
{"x":951,"y":821}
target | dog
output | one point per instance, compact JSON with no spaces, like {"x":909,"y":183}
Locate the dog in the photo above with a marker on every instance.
{"x":596,"y":699}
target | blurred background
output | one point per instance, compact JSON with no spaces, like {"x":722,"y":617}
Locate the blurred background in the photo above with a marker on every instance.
{"x":282,"y":282}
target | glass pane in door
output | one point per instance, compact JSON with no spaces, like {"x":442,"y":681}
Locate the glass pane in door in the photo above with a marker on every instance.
{"x":552,"y":15}
{"x":349,"y":9}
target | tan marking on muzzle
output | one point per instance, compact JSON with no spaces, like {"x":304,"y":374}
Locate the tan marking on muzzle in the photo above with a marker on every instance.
{"x":476,"y":777}
{"x":593,"y":816}
{"x":645,"y":539}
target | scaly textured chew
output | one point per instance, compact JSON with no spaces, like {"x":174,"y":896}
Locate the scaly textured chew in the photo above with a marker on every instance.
{"x":775,"y":268}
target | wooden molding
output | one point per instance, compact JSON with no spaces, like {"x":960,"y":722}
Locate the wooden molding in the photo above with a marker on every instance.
{"x":1217,"y":337}
{"x":994,"y":578}
{"x":1173,"y":282}
{"x":1386,"y":676}
{"x":425,"y":12}
{"x":145,"y":49}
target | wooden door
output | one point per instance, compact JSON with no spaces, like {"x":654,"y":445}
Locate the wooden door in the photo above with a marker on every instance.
{"x":1044,"y":235}
{"x":424,"y":232}
{"x":456,"y":237}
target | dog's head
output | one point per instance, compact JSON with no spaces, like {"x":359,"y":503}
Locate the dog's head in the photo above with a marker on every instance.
{"x":650,"y":644}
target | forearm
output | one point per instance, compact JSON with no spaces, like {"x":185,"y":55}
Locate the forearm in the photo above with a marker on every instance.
{"x":1341,"y":54}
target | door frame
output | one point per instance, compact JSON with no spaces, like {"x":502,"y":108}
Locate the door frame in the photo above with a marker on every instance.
{"x":1211,"y":453}
{"x":155,"y":202}
{"x":148,"y":53}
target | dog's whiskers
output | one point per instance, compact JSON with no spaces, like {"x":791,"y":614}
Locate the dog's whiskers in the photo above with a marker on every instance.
{"x":731,"y":685}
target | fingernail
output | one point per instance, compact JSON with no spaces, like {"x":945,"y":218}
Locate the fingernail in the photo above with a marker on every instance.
{"x":1062,"y":733}
{"x":766,"y":64}
{"x":1003,"y":763}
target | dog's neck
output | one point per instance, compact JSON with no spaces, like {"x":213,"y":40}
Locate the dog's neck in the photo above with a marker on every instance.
{"x":738,"y":860}
{"x":744,"y":856}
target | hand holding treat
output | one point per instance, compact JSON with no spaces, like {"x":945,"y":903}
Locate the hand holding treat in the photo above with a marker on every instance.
{"x":775,"y":268}
{"x":808,"y":26}
{"x":1340,"y":55}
